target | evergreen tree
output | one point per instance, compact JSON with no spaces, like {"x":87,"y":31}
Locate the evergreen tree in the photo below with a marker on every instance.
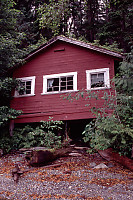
{"x":27,"y":21}
{"x":10,"y":55}
{"x":117,"y":23}
{"x":77,"y":18}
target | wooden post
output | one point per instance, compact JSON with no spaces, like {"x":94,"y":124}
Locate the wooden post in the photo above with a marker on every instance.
{"x":66,"y":133}
{"x":11,"y":127}
{"x":132,"y":151}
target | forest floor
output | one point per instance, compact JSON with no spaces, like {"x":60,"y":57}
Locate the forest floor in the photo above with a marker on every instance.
{"x":74,"y":178}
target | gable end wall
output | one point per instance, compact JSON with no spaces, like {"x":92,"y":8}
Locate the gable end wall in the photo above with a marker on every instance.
{"x":54,"y":60}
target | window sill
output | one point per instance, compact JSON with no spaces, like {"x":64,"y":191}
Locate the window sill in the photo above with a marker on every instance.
{"x":68,"y":91}
{"x":27,"y":95}
{"x":100,"y":88}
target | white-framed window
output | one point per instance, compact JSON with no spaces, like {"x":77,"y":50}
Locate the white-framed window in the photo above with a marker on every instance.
{"x":97,"y":79}
{"x":26,"y":86}
{"x":64,"y":82}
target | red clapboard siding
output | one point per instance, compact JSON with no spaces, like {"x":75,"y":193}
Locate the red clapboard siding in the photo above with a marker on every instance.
{"x":73,"y":59}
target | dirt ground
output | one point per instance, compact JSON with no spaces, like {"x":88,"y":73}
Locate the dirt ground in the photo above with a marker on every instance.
{"x":71,"y":177}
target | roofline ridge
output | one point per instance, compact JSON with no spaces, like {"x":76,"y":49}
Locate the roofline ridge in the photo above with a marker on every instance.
{"x":76,"y":42}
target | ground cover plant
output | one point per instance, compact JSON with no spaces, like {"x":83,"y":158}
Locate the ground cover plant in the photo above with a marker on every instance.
{"x":45,"y":134}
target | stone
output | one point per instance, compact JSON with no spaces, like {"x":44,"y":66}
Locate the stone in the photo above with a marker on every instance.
{"x":82,"y":148}
{"x":75,"y":154}
{"x":101,"y":166}
{"x":93,"y":164}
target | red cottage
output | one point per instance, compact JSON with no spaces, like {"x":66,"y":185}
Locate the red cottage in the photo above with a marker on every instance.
{"x":60,"y":66}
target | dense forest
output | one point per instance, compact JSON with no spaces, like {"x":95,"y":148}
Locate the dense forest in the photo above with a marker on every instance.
{"x":25,"y":25}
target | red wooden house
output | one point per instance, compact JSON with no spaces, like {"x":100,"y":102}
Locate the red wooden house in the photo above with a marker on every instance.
{"x":60,"y":66}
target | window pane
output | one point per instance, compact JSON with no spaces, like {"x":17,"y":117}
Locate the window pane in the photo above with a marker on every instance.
{"x":63,"y":88}
{"x":67,"y":83}
{"x":70,"y":87}
{"x":70,"y":81}
{"x":28,"y":91}
{"x":63,"y":81}
{"x":50,"y":85}
{"x":56,"y":82}
{"x":101,"y":75}
{"x":21,"y":88}
{"x":28,"y":83}
{"x":97,"y":80}
{"x":21,"y":92}
{"x":28,"y":87}
{"x":56,"y":88}
{"x":53,"y":84}
{"x":70,"y":78}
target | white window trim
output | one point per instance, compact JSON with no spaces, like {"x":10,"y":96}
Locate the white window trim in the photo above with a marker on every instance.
{"x":30,"y":78}
{"x":106,"y":78}
{"x":45,"y":77}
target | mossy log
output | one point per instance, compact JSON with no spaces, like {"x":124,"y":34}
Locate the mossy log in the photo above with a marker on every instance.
{"x":43,"y":157}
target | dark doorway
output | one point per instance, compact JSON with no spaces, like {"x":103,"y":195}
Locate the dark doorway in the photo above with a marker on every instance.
{"x":75,"y":128}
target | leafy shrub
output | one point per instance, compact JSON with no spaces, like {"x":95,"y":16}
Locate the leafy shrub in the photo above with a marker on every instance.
{"x":5,"y":144}
{"x":107,"y":132}
{"x":43,"y":135}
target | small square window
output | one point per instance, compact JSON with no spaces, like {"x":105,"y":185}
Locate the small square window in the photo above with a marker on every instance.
{"x":26,"y":86}
{"x":98,"y":78}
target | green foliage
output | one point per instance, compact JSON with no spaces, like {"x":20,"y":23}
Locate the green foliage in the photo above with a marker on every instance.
{"x":53,"y":15}
{"x":10,"y":38}
{"x":7,"y":113}
{"x":6,"y":86}
{"x":113,"y":126}
{"x":43,"y":135}
{"x":117,"y":24}
{"x":115,"y":129}
{"x":5,"y":144}
{"x":111,"y":47}
{"x":107,"y":132}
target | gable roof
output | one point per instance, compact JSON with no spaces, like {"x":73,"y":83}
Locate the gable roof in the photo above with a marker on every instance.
{"x":75,"y":42}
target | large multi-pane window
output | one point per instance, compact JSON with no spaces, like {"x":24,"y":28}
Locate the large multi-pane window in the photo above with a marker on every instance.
{"x":26,"y":86}
{"x":98,"y":78}
{"x":60,"y":82}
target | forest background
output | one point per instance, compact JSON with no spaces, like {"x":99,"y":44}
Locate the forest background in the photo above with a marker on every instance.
{"x":27,"y":24}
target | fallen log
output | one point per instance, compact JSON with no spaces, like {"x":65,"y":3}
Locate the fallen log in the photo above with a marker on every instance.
{"x":109,"y":155}
{"x":43,"y":157}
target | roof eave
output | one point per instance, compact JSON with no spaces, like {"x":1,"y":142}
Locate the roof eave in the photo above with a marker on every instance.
{"x":89,"y":46}
{"x":78,"y":43}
